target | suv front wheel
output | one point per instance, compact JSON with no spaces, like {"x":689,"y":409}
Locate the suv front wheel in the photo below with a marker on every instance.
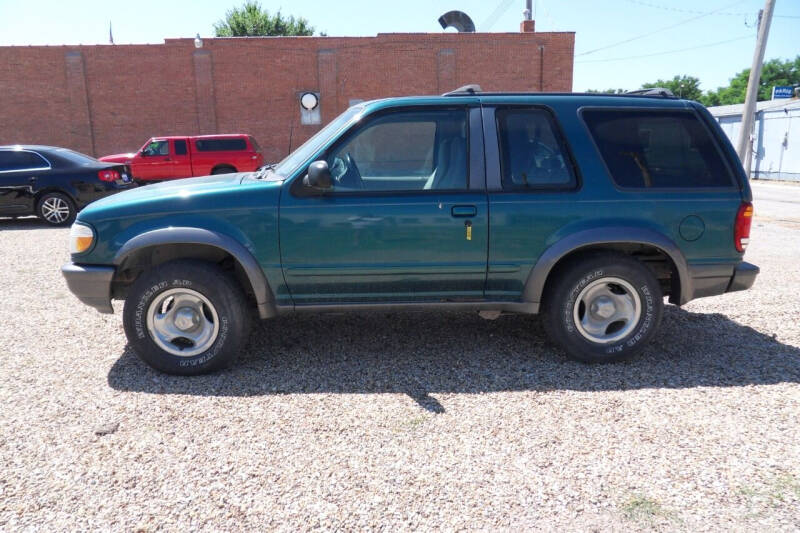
{"x":603,"y":307}
{"x":186,"y":317}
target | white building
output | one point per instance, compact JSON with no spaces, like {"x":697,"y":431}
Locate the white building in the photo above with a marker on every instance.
{"x":776,"y":148}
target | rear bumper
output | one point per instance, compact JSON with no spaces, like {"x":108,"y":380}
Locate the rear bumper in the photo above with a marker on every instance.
{"x":744,"y":275}
{"x":715,"y":279}
{"x":91,"y":284}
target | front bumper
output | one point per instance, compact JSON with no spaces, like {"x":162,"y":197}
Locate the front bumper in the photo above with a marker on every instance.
{"x":91,"y":284}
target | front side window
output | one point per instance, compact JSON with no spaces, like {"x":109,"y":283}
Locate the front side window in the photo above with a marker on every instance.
{"x":404,"y":151}
{"x":157,"y":148}
{"x":657,"y":149}
{"x":532,"y":155}
{"x":11,"y":160}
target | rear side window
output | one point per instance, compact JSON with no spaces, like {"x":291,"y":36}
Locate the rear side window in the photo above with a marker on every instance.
{"x":657,"y":149}
{"x":18,"y":160}
{"x":180,"y":147}
{"x":220,"y":145}
{"x":532,"y":153}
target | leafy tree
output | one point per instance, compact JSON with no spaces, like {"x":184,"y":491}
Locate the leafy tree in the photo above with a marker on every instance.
{"x":252,"y":20}
{"x":687,"y":87}
{"x":607,"y":91}
{"x":774,"y":72}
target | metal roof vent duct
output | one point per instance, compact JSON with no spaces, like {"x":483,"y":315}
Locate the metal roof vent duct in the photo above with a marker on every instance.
{"x":458,"y":20}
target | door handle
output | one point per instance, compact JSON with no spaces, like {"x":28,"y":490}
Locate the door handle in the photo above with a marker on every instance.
{"x":464,"y":211}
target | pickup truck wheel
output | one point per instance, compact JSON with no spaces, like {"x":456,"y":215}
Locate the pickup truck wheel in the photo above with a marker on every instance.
{"x":186,"y":317}
{"x":56,"y":209}
{"x":223,"y":170}
{"x":603,"y":308}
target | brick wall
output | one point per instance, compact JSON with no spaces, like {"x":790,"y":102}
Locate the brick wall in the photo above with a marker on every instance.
{"x":106,"y":99}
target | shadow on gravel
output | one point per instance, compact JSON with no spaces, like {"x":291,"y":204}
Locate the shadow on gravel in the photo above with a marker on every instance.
{"x":419,"y":353}
{"x":23,"y":223}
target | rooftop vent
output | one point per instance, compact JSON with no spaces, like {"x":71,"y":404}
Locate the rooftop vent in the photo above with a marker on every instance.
{"x":458,"y":20}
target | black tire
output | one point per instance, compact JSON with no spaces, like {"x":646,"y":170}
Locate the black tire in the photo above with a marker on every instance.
{"x":559,"y":307}
{"x":56,"y":209}
{"x":223,"y":170}
{"x":210,"y":281}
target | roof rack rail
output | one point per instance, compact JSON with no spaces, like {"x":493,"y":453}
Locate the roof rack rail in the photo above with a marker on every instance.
{"x":653,"y":91}
{"x":466,"y":90}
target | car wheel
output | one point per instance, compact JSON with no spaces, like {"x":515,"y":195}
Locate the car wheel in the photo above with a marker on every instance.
{"x":56,"y":209}
{"x":186,"y":317}
{"x":603,"y":307}
{"x":223,"y":170}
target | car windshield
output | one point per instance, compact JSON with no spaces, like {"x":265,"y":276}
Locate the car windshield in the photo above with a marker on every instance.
{"x":293,"y":161}
{"x":75,"y":157}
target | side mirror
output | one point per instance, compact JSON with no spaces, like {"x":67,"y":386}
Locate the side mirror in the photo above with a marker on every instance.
{"x":319,"y":176}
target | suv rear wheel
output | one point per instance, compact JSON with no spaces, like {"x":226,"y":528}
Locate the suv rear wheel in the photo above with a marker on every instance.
{"x":603,"y":307}
{"x":186,"y":317}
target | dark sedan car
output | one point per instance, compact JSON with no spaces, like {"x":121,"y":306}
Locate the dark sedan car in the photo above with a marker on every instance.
{"x":54,"y":183}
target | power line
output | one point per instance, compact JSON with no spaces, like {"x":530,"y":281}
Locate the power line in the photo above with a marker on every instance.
{"x":708,"y":45}
{"x":490,"y":21}
{"x":680,"y":10}
{"x":648,"y":34}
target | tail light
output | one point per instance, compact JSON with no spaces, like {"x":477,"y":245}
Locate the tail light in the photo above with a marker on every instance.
{"x":741,"y":228}
{"x":108,"y":175}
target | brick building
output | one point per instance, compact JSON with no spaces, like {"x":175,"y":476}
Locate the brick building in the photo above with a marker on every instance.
{"x":111,"y":98}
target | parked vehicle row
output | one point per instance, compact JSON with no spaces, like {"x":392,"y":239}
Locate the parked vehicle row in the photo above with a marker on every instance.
{"x":163,"y":158}
{"x":54,"y":183}
{"x":589,"y":209}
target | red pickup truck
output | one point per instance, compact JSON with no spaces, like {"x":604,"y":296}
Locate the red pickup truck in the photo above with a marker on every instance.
{"x":165,"y":158}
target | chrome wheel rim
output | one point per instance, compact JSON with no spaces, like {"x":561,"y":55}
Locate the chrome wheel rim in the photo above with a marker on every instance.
{"x":182,"y":322}
{"x":55,"y":209}
{"x":607,"y":310}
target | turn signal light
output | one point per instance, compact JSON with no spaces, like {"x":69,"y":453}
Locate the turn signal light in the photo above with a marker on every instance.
{"x":80,"y":238}
{"x":741,"y":228}
{"x":108,"y":175}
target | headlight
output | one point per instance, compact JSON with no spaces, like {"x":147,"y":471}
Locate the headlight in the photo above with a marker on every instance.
{"x":81,"y":238}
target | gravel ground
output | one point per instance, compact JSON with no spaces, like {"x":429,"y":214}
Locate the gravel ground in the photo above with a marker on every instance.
{"x":401,"y":420}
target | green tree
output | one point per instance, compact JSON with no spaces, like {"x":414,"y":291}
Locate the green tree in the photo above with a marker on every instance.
{"x":687,"y":87}
{"x":607,"y":91}
{"x":252,"y":20}
{"x":774,"y":72}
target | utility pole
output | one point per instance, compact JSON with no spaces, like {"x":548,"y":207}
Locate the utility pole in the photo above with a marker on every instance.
{"x":743,"y":147}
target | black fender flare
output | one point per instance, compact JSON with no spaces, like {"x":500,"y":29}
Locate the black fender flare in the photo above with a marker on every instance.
{"x":265,"y":299}
{"x":534,"y":285}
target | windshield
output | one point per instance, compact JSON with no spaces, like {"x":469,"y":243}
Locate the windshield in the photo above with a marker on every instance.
{"x":291,"y":163}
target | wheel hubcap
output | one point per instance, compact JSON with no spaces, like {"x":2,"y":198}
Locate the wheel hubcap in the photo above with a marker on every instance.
{"x":607,"y":310}
{"x":182,"y":322}
{"x":55,"y":210}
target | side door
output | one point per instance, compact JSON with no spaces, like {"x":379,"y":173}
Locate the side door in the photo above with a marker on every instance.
{"x":181,"y":160}
{"x":156,"y":162}
{"x":19,"y":172}
{"x":534,"y":191}
{"x":406,"y":219}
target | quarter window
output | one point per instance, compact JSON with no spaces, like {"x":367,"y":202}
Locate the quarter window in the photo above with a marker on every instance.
{"x":11,"y":160}
{"x":532,"y":154}
{"x":657,"y":149}
{"x":404,"y":151}
{"x":180,"y":147}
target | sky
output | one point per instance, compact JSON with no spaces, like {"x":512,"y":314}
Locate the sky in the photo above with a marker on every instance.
{"x":618,"y":43}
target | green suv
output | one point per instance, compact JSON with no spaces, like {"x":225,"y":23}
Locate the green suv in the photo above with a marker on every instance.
{"x":588,"y":209}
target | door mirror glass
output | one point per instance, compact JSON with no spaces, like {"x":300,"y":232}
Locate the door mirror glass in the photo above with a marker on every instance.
{"x":319,"y":176}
